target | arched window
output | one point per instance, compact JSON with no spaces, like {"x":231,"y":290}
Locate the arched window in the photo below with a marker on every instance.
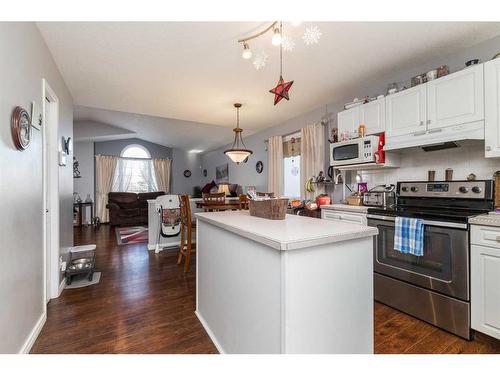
{"x":134,"y":171}
{"x":136,"y":152}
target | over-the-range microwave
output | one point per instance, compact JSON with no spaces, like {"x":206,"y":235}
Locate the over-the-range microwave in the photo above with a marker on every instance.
{"x":355,"y":151}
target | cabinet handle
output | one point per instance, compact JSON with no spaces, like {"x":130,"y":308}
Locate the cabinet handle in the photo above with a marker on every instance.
{"x":497,"y":238}
{"x":488,"y":148}
{"x":428,"y":122}
{"x":435,"y":131}
{"x":419,"y":133}
{"x":421,"y":123}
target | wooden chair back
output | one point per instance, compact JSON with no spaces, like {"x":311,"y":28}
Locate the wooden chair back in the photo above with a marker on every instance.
{"x":187,"y":227}
{"x":243,"y":202}
{"x":214,"y":199}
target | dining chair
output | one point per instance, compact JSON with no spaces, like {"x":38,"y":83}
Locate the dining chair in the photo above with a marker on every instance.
{"x":243,"y":202}
{"x":212,"y":199}
{"x":263,"y":194}
{"x":187,"y":228}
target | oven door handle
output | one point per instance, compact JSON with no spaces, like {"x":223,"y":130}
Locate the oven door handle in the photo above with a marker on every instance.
{"x":445,"y":224}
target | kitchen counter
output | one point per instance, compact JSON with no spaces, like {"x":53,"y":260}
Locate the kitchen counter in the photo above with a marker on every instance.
{"x":299,"y":285}
{"x":486,"y":220}
{"x":295,"y":232}
{"x":345,"y":207}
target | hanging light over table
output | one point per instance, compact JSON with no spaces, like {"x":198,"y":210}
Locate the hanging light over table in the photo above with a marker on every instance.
{"x":238,"y":152}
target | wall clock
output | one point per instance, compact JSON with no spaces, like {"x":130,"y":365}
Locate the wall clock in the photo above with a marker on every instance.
{"x":21,"y":128}
{"x":259,"y":167}
{"x":187,"y":173}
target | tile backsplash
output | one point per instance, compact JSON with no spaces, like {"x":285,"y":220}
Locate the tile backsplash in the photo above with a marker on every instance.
{"x":415,"y":163}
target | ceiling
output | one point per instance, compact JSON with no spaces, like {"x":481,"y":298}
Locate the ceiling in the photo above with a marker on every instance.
{"x":193,"y":71}
{"x":100,"y":124}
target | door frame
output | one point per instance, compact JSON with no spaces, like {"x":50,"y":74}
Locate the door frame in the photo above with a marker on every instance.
{"x":50,"y":151}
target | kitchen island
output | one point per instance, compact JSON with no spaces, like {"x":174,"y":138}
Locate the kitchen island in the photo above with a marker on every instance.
{"x":299,"y":285}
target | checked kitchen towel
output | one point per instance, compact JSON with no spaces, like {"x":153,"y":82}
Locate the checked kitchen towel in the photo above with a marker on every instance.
{"x":409,"y":236}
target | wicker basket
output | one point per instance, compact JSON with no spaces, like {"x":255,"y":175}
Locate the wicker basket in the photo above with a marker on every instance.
{"x":273,"y":209}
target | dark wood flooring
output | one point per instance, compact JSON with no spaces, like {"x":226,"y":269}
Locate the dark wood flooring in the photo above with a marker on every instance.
{"x":144,"y":304}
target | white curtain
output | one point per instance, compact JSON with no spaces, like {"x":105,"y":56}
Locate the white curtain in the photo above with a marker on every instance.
{"x":312,"y":154}
{"x":162,"y":169}
{"x":105,"y":171}
{"x":134,"y":175}
{"x":275,"y":165}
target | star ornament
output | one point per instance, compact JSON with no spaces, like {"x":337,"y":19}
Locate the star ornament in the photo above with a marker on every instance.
{"x":280,"y":91}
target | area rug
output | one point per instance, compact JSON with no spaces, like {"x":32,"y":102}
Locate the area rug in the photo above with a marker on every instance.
{"x":84,"y":281}
{"x":131,"y":235}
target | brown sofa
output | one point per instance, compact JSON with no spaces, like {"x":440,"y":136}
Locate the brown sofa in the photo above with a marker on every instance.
{"x":127,"y":209}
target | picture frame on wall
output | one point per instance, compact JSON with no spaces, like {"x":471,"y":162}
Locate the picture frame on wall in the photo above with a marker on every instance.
{"x":36,"y":116}
{"x":222,"y":173}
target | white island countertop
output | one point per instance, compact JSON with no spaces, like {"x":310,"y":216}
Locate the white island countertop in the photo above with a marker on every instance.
{"x":295,"y":232}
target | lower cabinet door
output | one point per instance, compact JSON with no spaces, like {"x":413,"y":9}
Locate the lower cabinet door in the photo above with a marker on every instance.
{"x":485,"y":290}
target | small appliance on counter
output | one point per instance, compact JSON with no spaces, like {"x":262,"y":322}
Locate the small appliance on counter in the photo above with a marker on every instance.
{"x":380,"y":196}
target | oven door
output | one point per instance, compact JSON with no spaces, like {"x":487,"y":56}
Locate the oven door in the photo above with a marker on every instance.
{"x":443,"y":268}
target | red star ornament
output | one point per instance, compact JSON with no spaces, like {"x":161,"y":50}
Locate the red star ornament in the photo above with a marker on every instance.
{"x":280,"y":91}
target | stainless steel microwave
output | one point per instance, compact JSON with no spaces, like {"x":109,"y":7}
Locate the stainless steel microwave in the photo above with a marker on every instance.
{"x":355,"y":151}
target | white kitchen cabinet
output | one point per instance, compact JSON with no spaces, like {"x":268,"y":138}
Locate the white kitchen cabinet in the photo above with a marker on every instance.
{"x":372,"y":115}
{"x":456,"y":99}
{"x":492,"y":108}
{"x":351,"y":217}
{"x":485,"y":287}
{"x":348,"y":120}
{"x":406,"y":111}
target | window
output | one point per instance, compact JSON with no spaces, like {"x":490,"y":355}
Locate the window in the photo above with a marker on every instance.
{"x":134,"y":171}
{"x":291,"y":166}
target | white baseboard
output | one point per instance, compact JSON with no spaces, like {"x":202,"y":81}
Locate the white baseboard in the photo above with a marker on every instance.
{"x":209,"y":333}
{"x":61,"y":287}
{"x":28,"y":344}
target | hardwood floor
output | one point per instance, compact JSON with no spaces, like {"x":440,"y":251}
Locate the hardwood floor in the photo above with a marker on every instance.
{"x":144,"y":304}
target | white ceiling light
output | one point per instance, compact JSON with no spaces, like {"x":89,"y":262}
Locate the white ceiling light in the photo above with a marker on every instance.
{"x":238,"y":152}
{"x":247,"y":53}
{"x":276,"y":41}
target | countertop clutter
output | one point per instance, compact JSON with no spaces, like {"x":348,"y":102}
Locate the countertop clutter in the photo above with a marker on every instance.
{"x":295,"y":232}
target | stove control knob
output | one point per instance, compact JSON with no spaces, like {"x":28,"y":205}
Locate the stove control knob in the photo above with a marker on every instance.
{"x":476,"y":189}
{"x":463,"y":189}
{"x":414,"y":189}
{"x":404,"y":188}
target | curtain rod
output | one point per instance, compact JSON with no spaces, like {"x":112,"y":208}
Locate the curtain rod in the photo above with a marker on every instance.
{"x":296,"y":131}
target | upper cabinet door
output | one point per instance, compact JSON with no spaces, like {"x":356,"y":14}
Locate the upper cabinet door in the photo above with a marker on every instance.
{"x":348,"y":120}
{"x":372,"y":115}
{"x":492,"y":108}
{"x":456,"y":99}
{"x":405,"y":111}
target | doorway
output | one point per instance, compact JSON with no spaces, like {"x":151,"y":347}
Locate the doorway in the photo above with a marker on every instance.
{"x":50,"y":151}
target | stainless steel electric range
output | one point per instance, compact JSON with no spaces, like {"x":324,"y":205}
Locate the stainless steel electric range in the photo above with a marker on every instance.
{"x":436,"y":286}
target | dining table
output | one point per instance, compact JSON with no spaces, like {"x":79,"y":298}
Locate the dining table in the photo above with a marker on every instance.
{"x":228,"y":204}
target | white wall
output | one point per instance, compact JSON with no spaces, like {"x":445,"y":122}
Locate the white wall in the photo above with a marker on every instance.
{"x":84,"y":153}
{"x":25,"y":61}
{"x":415,"y":163}
{"x":182,"y":160}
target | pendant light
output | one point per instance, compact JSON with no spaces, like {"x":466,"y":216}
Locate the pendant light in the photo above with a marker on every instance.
{"x":238,"y":152}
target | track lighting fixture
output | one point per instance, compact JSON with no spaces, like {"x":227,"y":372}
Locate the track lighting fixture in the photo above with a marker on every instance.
{"x":247,"y":53}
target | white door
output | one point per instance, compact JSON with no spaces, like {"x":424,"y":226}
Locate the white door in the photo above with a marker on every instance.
{"x":348,"y":120}
{"x":492,"y":108}
{"x":406,"y":111}
{"x":372,"y":115}
{"x":456,"y":99}
{"x":46,"y":205}
{"x":485,"y":290}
